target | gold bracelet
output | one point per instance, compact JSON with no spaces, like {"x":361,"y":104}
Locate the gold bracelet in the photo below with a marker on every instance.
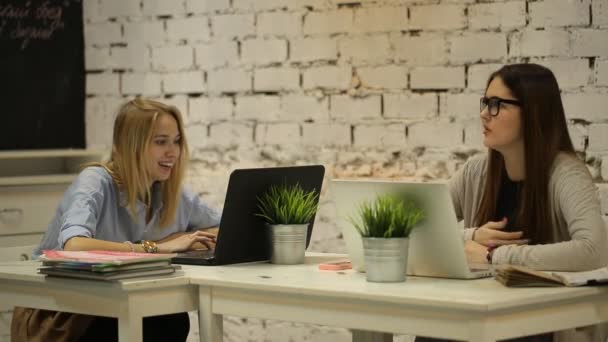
{"x":149,"y":246}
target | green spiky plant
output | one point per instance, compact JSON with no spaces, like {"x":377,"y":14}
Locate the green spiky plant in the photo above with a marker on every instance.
{"x":287,"y":204}
{"x":387,"y":217}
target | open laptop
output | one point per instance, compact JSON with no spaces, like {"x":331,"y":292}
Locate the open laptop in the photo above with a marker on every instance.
{"x":241,"y":236}
{"x":436,"y":248}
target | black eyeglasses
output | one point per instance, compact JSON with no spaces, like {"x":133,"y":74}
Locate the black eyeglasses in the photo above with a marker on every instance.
{"x":493,"y":103}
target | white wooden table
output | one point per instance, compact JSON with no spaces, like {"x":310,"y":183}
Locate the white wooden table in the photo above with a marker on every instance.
{"x":127,"y":300}
{"x":475,"y":310}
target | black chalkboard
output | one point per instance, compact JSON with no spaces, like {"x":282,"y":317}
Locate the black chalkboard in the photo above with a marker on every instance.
{"x":42,"y":77}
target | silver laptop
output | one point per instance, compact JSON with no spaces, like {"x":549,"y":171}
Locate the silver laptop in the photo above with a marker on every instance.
{"x":436,"y":248}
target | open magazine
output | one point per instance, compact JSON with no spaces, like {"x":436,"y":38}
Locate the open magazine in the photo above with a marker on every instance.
{"x":520,"y":276}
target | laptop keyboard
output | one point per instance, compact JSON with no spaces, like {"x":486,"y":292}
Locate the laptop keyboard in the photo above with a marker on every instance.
{"x":200,"y":253}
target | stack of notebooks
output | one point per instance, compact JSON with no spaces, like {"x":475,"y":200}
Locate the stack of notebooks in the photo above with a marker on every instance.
{"x":520,"y":276}
{"x":105,"y":265}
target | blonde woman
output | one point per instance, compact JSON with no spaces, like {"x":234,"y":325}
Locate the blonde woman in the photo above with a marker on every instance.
{"x":134,"y":202}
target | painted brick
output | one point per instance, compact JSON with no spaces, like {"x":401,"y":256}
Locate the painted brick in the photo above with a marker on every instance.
{"x":473,"y":137}
{"x":504,"y":15}
{"x":233,"y":25}
{"x":339,"y":21}
{"x":198,"y":6}
{"x":426,"y":49}
{"x":279,"y":24}
{"x":477,"y":76}
{"x":163,"y":7}
{"x":263,"y":52}
{"x":216,"y":54}
{"x":151,"y":32}
{"x":134,"y":56}
{"x":197,"y":136}
{"x":184,"y":82}
{"x":601,"y":72}
{"x":350,"y":108}
{"x":587,"y":106}
{"x":463,"y":106}
{"x":578,"y":135}
{"x":146,"y":84}
{"x":191,"y":29}
{"x":313,"y":49}
{"x":103,"y":84}
{"x":598,"y":137}
{"x":210,"y":109}
{"x":599,"y":8}
{"x":380,"y":19}
{"x":278,"y":134}
{"x":118,"y":8}
{"x":178,"y":101}
{"x":605,"y":192}
{"x":97,"y":58}
{"x":435,"y":134}
{"x":587,"y":42}
{"x":331,"y":77}
{"x":260,"y":5}
{"x":172,"y":58}
{"x":257,"y":107}
{"x":410,"y":106}
{"x":91,"y":13}
{"x":571,"y":73}
{"x":276,"y":79}
{"x":365,"y":49}
{"x":390,"y":77}
{"x":437,"y":17}
{"x":102,"y":34}
{"x":304,"y":107}
{"x":466,"y":48}
{"x":326,"y":134}
{"x":231,"y":134}
{"x":228,"y":81}
{"x":377,"y":136}
{"x":437,"y":77}
{"x":99,"y":117}
{"x":559,"y":13}
{"x":540,"y":43}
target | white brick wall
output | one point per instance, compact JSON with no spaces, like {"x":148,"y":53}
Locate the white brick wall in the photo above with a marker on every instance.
{"x":348,"y":108}
{"x":383,"y":77}
{"x":328,"y":22}
{"x":559,"y":13}
{"x":410,"y":106}
{"x":279,"y":24}
{"x":426,"y":49}
{"x":437,"y":17}
{"x":437,"y":77}
{"x":276,"y":79}
{"x":551,"y":42}
{"x":263,"y":52}
{"x":331,"y":77}
{"x":379,"y":135}
{"x":313,"y":49}
{"x":382,"y":88}
{"x":365,"y":49}
{"x":262,"y":108}
{"x":504,"y":15}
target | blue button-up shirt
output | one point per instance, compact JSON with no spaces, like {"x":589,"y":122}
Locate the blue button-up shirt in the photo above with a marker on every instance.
{"x":94,"y":207}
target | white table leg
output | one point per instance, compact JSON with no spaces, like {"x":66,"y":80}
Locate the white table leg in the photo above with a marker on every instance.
{"x":371,"y":336}
{"x":210,"y":325}
{"x":130,"y":328}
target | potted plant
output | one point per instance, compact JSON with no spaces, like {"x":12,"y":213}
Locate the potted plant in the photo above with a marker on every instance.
{"x":385,"y":225}
{"x":287,"y":210}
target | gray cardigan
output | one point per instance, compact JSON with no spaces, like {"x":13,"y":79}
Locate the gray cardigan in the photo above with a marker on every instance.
{"x":579,"y":232}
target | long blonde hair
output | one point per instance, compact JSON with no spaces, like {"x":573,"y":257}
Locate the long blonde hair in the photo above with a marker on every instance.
{"x":133,"y":130}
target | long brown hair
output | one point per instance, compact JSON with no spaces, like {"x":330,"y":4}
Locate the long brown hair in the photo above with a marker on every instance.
{"x":545,"y":134}
{"x":133,"y":130}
